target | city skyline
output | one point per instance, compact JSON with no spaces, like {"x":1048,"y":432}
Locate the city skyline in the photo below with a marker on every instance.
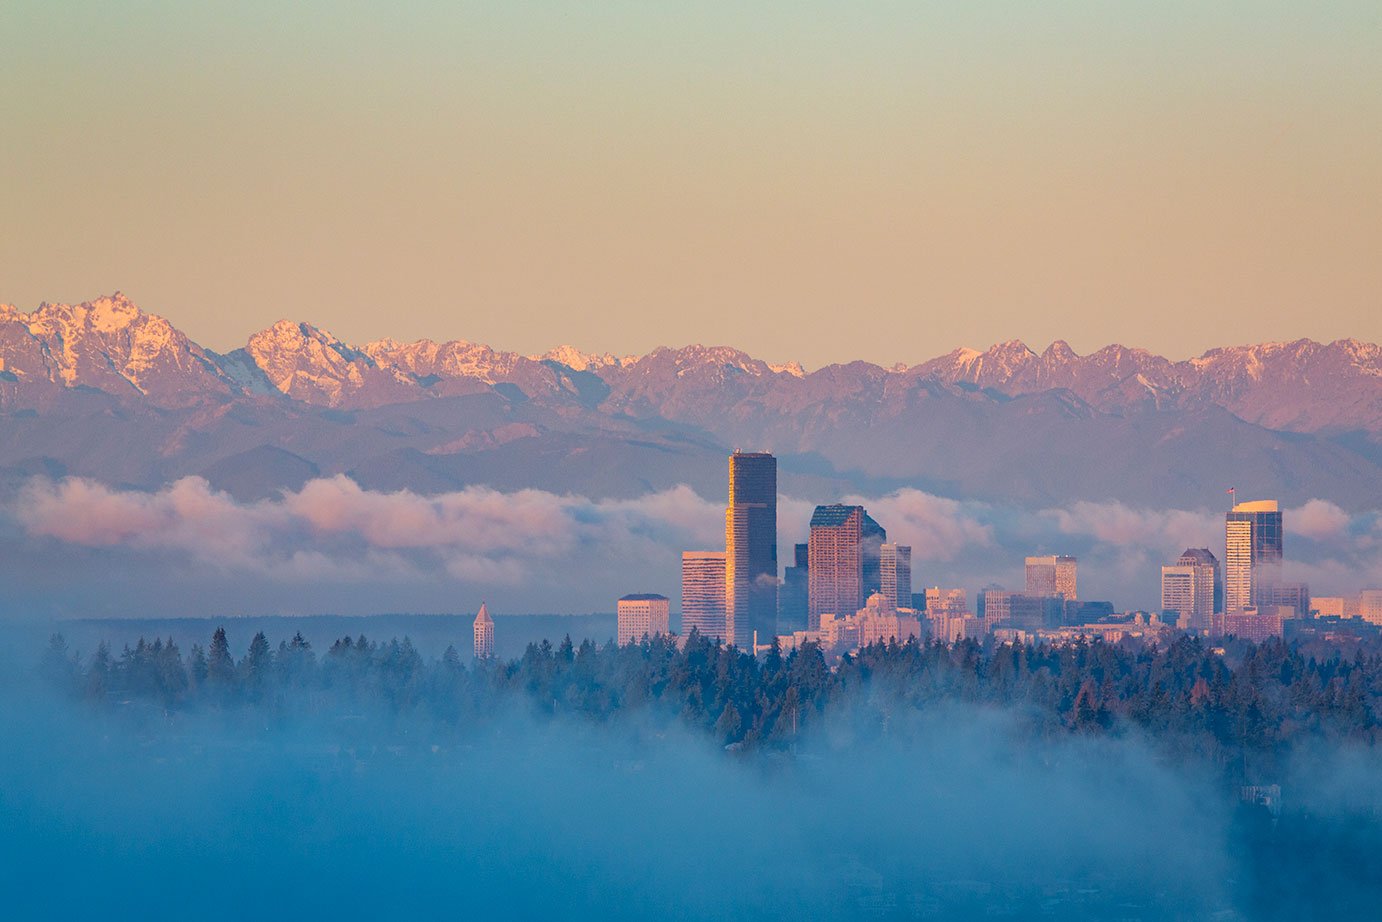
{"x":452,"y":452}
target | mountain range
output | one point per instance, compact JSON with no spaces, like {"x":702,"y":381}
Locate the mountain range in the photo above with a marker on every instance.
{"x":105,"y":390}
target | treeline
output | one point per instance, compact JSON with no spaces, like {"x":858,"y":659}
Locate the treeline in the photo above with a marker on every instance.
{"x":1246,"y":700}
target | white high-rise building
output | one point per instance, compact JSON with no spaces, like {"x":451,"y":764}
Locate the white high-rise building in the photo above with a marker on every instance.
{"x":484,"y":633}
{"x":703,"y":594}
{"x":643,"y":615}
{"x":1187,"y":588}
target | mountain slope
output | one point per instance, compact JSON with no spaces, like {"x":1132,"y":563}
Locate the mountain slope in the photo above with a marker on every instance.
{"x":105,"y":390}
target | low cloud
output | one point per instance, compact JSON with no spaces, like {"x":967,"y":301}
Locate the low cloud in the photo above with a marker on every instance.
{"x":333,"y":527}
{"x":554,"y":552}
{"x":1319,"y":520}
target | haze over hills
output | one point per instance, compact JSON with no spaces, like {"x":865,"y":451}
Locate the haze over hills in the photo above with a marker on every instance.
{"x":106,"y":391}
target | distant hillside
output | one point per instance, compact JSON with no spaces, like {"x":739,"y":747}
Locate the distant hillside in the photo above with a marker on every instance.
{"x":104,"y":390}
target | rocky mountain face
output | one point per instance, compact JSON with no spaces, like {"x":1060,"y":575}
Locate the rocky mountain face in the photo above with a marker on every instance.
{"x":106,"y":390}
{"x":108,"y":345}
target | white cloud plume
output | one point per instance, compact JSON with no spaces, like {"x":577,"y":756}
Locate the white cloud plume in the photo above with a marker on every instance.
{"x":333,"y":527}
{"x":334,"y":530}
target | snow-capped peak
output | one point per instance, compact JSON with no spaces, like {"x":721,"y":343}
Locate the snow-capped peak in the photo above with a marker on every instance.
{"x":788,"y":368}
{"x":575,"y":359}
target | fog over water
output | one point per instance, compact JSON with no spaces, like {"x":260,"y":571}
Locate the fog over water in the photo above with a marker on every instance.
{"x":137,"y":813}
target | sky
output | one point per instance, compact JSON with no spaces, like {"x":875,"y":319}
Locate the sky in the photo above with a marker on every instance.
{"x":621,"y":175}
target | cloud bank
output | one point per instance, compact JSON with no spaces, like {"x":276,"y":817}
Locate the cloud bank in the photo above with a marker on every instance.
{"x":544,"y":551}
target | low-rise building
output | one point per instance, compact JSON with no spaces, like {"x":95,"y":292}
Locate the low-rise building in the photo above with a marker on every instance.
{"x":877,"y":622}
{"x":1249,"y":624}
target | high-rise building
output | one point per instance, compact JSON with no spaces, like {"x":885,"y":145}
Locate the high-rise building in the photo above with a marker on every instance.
{"x":1035,"y":612}
{"x":1252,"y":555}
{"x":643,"y":614}
{"x":1292,"y":600}
{"x":843,"y":561}
{"x":751,"y":549}
{"x":1203,"y":556}
{"x":793,"y":595}
{"x":1052,"y":576}
{"x":1188,"y":588}
{"x":484,"y":633}
{"x":895,"y":574}
{"x":703,"y":593}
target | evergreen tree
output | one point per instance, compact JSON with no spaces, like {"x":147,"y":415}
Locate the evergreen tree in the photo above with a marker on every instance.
{"x":197,"y":666}
{"x":220,"y":665}
{"x":60,"y":666}
{"x":730,"y":725}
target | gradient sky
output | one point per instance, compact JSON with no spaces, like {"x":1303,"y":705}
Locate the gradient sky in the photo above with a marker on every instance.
{"x":620,"y":175}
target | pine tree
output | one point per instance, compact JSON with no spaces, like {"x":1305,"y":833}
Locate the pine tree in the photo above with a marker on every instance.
{"x":197,"y":665}
{"x":730,"y":725}
{"x":451,"y":659}
{"x":257,"y":662}
{"x":220,"y":665}
{"x":60,"y":666}
{"x":98,"y":674}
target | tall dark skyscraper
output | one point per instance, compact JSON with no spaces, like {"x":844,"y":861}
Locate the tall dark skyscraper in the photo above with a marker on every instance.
{"x":751,"y":549}
{"x":793,"y":596}
{"x":844,"y":552}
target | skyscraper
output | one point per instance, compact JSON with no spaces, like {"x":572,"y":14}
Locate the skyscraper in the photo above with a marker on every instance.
{"x":1187,"y":588}
{"x":895,"y":574}
{"x":703,"y":593}
{"x":751,"y":549}
{"x":793,"y":596}
{"x":843,"y":554}
{"x":1203,"y":556}
{"x":643,"y":615}
{"x":484,"y":633}
{"x":1252,"y":555}
{"x":1050,"y":576}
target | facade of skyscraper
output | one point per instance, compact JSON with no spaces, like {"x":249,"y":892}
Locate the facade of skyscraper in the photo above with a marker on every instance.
{"x":895,"y":574}
{"x":1051,"y":576}
{"x":643,"y":615}
{"x":1252,"y":555}
{"x":793,"y":595}
{"x":1203,"y":556}
{"x":1188,"y":590}
{"x":995,"y":604}
{"x":751,"y":549}
{"x":703,"y":593}
{"x":1035,"y":612}
{"x":843,"y":561}
{"x":484,"y":633}
{"x":1291,"y":599}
